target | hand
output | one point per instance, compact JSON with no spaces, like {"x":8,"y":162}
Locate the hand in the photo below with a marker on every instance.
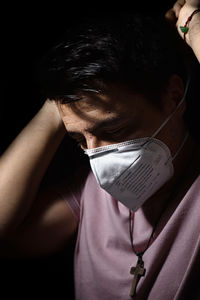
{"x":179,"y":14}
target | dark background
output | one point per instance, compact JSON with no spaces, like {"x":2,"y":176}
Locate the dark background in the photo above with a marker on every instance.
{"x":27,"y":32}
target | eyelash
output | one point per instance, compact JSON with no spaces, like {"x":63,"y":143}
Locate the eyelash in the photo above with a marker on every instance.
{"x":106,"y":135}
{"x":82,"y":143}
{"x":115,"y":133}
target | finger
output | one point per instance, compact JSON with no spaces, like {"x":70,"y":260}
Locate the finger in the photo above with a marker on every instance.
{"x":177,"y":7}
{"x":181,"y":2}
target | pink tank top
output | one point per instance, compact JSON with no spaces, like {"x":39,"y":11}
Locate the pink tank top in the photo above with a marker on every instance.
{"x":103,"y":254}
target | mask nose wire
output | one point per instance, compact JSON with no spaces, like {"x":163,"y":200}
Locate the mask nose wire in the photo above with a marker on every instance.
{"x":171,"y":115}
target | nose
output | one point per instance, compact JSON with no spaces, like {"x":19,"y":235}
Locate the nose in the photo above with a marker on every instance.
{"x":94,"y":142}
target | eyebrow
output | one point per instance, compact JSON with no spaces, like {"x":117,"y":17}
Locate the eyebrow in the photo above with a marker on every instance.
{"x":110,"y":122}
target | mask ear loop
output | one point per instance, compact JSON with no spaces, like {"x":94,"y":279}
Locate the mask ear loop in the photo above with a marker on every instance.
{"x":181,"y":146}
{"x":170,"y":116}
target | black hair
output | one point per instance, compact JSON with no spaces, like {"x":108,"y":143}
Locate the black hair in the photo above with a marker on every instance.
{"x":139,"y":50}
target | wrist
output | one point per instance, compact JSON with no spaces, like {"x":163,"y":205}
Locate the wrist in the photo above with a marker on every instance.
{"x":194,"y":29}
{"x":52,"y":117}
{"x":192,"y":20}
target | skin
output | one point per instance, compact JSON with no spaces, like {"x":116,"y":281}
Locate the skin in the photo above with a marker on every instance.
{"x":38,"y":222}
{"x":138,"y":117}
{"x":178,"y":15}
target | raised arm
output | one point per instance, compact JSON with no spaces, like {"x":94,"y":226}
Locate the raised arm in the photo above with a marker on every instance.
{"x":33,"y":221}
{"x":24,"y":163}
{"x":179,"y":15}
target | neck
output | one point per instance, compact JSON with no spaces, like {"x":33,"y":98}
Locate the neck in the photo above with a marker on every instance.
{"x":184,"y":171}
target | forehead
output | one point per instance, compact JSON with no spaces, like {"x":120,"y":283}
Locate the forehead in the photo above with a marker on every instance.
{"x":113,"y":99}
{"x":93,"y":107}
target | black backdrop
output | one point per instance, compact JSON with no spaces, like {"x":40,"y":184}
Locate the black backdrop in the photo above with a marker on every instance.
{"x":27,"y":32}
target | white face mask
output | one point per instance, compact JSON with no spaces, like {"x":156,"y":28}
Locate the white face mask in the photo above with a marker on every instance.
{"x":134,"y":170}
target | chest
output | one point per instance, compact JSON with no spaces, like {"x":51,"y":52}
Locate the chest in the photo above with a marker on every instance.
{"x":104,"y":256}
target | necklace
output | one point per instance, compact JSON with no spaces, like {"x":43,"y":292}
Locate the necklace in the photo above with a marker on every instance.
{"x":139,"y":271}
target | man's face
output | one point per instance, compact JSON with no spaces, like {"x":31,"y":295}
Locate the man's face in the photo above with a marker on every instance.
{"x":117,"y":116}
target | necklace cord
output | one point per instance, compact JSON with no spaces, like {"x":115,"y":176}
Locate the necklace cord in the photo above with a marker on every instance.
{"x":131,"y":215}
{"x":131,"y":212}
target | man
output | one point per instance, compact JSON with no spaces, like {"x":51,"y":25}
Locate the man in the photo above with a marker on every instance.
{"x":137,"y":213}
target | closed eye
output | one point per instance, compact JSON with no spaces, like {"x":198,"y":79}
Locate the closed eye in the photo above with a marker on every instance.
{"x":113,"y":134}
{"x":79,"y":138}
{"x":82,"y":143}
{"x":116,"y":135}
{"x":109,"y":131}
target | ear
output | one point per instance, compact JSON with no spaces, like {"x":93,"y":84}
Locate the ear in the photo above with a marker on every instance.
{"x":173,"y":94}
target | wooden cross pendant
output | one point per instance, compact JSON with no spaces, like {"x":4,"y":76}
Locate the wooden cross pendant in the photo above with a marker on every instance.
{"x":137,"y":271}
